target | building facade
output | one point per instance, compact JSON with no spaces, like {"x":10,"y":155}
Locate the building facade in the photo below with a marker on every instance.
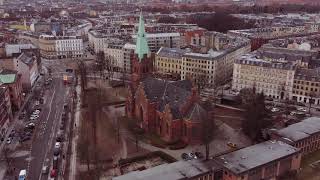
{"x":12,"y":80}
{"x":213,"y":67}
{"x":306,"y":86}
{"x":26,"y":65}
{"x":69,"y":47}
{"x":5,"y":110}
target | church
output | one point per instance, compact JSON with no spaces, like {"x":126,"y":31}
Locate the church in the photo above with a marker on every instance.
{"x":169,"y":109}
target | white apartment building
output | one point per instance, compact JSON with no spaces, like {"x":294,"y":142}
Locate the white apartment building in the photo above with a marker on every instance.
{"x":97,"y":40}
{"x":114,"y":53}
{"x":69,"y":47}
{"x":273,"y":78}
{"x":128,"y":51}
{"x":158,"y":40}
{"x":26,"y":65}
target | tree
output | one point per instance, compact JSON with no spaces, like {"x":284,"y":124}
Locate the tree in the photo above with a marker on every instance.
{"x":167,"y":20}
{"x":208,"y":127}
{"x":101,"y":63}
{"x":312,"y":96}
{"x":201,"y":81}
{"x":255,"y":117}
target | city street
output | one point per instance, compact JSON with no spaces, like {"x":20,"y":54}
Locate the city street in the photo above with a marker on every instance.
{"x":38,"y":152}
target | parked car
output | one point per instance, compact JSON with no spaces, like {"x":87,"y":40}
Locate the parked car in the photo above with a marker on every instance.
{"x":45,"y":169}
{"x":30,"y":126}
{"x":23,"y":174}
{"x":232,"y":145}
{"x":302,"y":109}
{"x":57,"y":145}
{"x":53,"y":173}
{"x":56,"y":152}
{"x":9,"y":140}
{"x":274,"y":109}
{"x":25,"y":138}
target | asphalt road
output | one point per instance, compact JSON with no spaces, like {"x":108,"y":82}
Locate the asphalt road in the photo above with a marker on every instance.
{"x":48,"y":126}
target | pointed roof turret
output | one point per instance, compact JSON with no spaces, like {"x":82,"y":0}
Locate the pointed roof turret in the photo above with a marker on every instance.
{"x":142,"y":47}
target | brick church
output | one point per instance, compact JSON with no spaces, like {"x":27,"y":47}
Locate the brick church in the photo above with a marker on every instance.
{"x":167,"y":108}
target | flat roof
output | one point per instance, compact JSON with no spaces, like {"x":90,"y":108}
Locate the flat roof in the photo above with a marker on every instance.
{"x":254,"y":156}
{"x":301,"y":130}
{"x":174,"y":171}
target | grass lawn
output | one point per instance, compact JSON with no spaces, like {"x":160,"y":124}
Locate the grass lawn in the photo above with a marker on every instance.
{"x":308,"y":173}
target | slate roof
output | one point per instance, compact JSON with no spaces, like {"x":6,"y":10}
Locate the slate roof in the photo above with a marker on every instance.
{"x":301,"y":130}
{"x":252,"y":157}
{"x":27,"y":58}
{"x":171,"y":93}
{"x":179,"y":170}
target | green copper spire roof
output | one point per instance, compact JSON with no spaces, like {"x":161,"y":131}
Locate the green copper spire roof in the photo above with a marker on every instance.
{"x":142,"y":47}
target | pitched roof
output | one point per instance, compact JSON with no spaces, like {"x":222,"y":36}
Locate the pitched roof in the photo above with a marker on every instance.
{"x":172,"y":93}
{"x":196,"y":113}
{"x":27,"y":58}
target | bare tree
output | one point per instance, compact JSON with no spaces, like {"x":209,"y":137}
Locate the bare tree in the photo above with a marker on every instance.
{"x":312,"y":96}
{"x":208,"y":127}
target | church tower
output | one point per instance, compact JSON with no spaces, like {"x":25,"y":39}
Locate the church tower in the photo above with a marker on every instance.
{"x":142,"y":59}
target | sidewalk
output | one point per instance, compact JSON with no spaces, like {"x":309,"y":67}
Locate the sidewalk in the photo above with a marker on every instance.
{"x":75,"y":135}
{"x":3,"y":169}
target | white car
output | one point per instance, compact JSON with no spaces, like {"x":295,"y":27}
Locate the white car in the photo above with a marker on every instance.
{"x":292,"y":113}
{"x":302,"y":109}
{"x":9,"y":141}
{"x":57,"y":145}
{"x":274,"y":109}
{"x":36,"y":111}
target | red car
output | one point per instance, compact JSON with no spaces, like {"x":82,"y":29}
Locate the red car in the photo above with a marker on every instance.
{"x":53,"y":173}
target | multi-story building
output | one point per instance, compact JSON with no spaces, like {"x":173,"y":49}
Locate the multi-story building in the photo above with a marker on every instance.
{"x":12,"y":80}
{"x":47,"y":46}
{"x":260,"y":36}
{"x":69,"y":47}
{"x":306,"y":86}
{"x":128,"y":51}
{"x":267,"y":160}
{"x":115,"y":55}
{"x":26,"y":65}
{"x":214,"y":67}
{"x":97,"y":40}
{"x":273,"y":78}
{"x":53,"y":47}
{"x":5,"y":110}
{"x":158,"y":40}
{"x":304,"y":135}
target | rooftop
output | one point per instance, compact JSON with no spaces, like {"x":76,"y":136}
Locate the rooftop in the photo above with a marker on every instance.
{"x":254,"y":156}
{"x":175,"y":171}
{"x":301,"y":130}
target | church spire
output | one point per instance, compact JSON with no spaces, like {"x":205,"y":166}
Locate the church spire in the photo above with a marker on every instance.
{"x":142,"y":47}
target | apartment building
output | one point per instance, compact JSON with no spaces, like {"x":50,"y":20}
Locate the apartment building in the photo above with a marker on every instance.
{"x":5,"y":110}
{"x":97,"y":40}
{"x":304,"y":135}
{"x":115,"y":55}
{"x":60,"y":47}
{"x":12,"y":80}
{"x":267,"y":160}
{"x":158,"y":40}
{"x":273,"y":78}
{"x":214,"y":67}
{"x":260,"y":36}
{"x":47,"y":46}
{"x":26,"y":65}
{"x":69,"y":47}
{"x":128,"y":51}
{"x":306,"y":86}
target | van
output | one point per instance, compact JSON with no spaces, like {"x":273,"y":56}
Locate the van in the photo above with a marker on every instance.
{"x":23,"y":174}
